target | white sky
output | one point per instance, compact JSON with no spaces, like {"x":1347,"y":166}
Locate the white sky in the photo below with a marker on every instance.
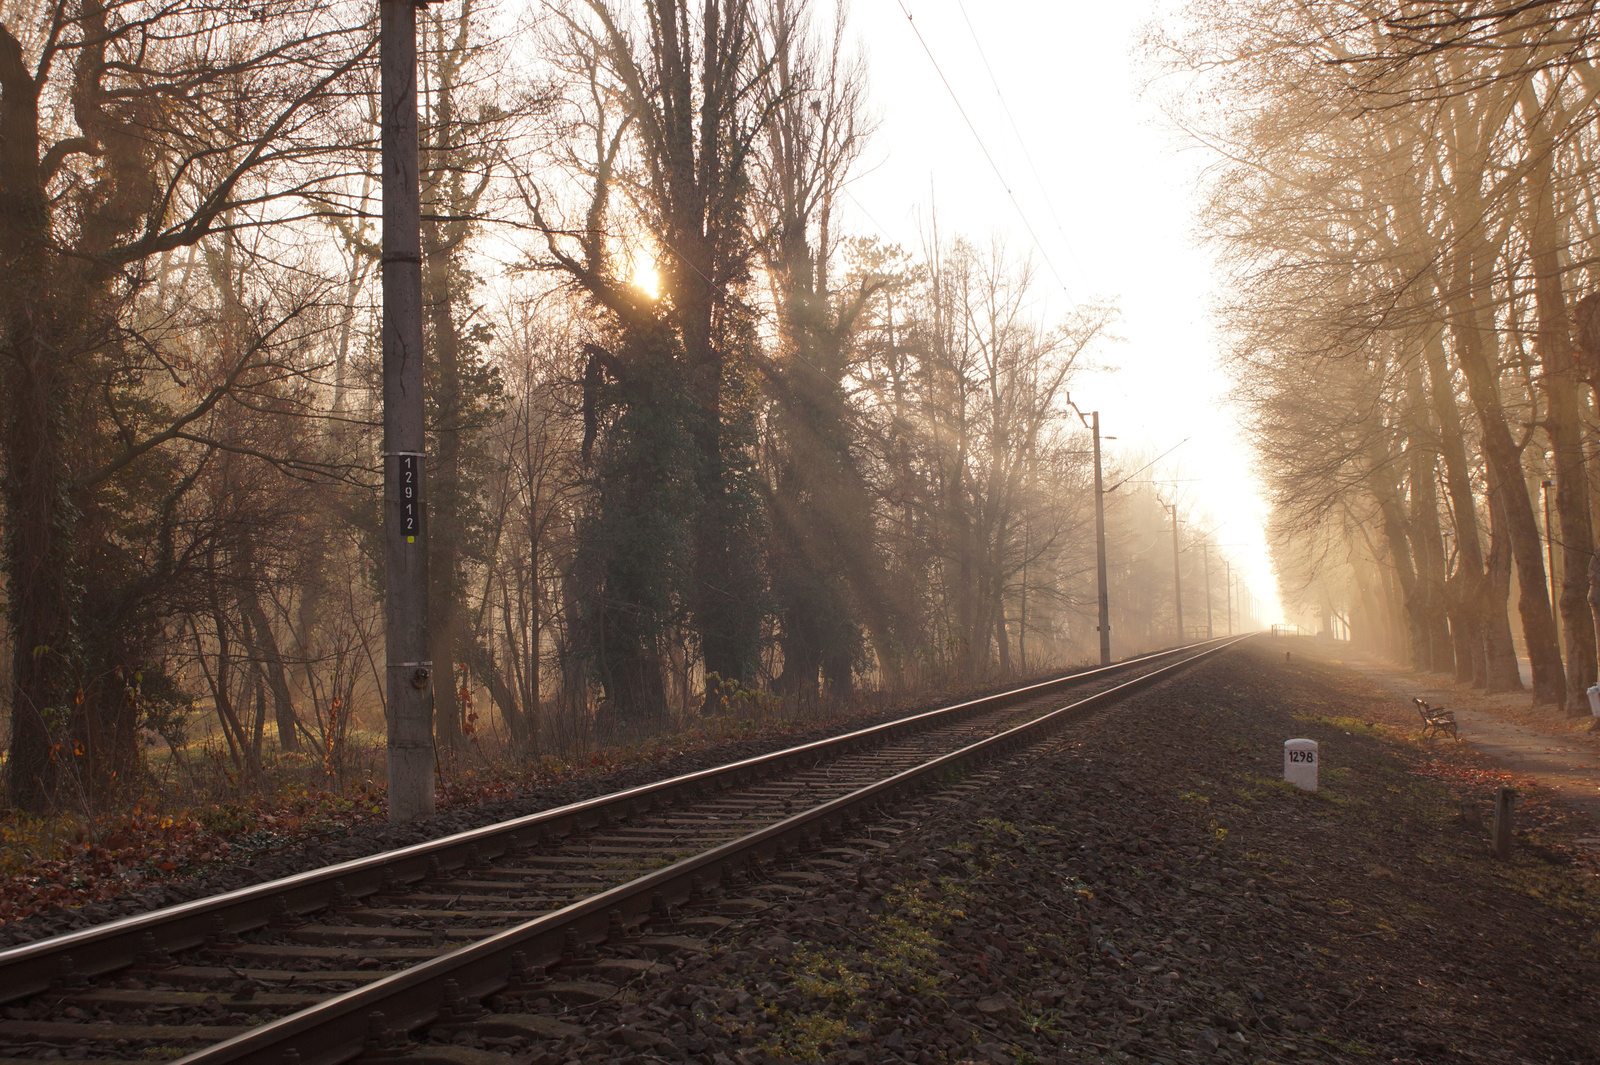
{"x":1122,"y":190}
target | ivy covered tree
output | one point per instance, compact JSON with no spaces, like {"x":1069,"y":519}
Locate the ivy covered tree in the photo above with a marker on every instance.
{"x":128,"y":133}
{"x":672,"y":126}
{"x":825,"y":570}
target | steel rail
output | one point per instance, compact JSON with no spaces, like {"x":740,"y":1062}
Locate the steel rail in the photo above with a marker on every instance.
{"x":33,"y":967}
{"x":370,"y":1019}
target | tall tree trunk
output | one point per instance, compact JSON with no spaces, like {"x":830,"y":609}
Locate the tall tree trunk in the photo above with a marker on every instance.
{"x":1560,"y":382}
{"x":1514,"y":530}
{"x":258,"y":727}
{"x":1381,"y":482}
{"x":442,"y":237}
{"x":444,"y":483}
{"x":43,"y":315}
{"x":532,"y":704}
{"x":1587,"y":327}
{"x":1002,"y":638}
{"x":1477,"y":352}
{"x":1499,"y":647}
{"x":1469,"y":590}
{"x":220,"y":680}
{"x":1398,"y":629}
{"x":271,"y":657}
{"x":482,"y":662}
{"x":40,"y":594}
{"x":523,"y":665}
{"x":1423,"y":527}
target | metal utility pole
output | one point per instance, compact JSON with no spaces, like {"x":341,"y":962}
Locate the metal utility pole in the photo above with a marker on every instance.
{"x":1205,"y":550}
{"x":1092,"y":421}
{"x":408,"y":676}
{"x":1100,"y":546}
{"x":1227,"y":581}
{"x":1177,"y":581}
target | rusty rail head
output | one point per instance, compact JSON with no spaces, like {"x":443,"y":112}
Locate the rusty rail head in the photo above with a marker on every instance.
{"x":339,"y":1029}
{"x":31,"y":968}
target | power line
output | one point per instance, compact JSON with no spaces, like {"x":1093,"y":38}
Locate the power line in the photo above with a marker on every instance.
{"x":1022,"y":142}
{"x":862,"y":208}
{"x":1147,"y":465}
{"x":1037,"y":243}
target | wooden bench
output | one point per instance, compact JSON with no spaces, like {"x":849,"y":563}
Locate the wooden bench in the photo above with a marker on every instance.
{"x":1437,"y":719}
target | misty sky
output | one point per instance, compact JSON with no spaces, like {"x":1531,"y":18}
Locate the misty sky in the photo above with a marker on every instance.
{"x":1111,"y":208}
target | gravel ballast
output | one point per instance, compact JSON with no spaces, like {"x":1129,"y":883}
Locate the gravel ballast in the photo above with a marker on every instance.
{"x":1146,"y":888}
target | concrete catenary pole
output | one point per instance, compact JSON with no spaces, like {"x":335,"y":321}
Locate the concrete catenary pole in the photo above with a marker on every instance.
{"x":1100,"y":547}
{"x":1227,"y":580}
{"x":1205,"y":550}
{"x":1177,"y":580}
{"x":408,"y":675}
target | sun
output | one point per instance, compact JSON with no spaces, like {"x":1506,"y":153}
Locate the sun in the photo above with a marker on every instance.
{"x":646,"y":278}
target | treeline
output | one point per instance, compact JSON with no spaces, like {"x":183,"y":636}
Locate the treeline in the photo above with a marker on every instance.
{"x":690,"y":443}
{"x":1406,"y":202}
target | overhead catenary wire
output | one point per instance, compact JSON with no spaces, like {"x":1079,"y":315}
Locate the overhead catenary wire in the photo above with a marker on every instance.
{"x":863,"y":209}
{"x":1000,"y":176}
{"x":984,"y":148}
{"x":1022,"y":142}
{"x":1147,"y":465}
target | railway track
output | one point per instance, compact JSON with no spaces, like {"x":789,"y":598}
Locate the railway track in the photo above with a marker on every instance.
{"x":498,"y":931}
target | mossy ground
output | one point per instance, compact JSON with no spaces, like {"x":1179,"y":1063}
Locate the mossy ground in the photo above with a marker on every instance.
{"x":1153,"y":891}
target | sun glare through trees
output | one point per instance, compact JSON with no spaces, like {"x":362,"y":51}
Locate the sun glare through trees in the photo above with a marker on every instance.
{"x":702,"y":454}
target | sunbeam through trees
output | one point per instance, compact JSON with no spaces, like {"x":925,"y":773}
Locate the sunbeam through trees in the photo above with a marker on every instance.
{"x":698,"y":448}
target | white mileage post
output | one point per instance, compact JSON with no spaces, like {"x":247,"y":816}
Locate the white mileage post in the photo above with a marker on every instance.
{"x":1300,"y":763}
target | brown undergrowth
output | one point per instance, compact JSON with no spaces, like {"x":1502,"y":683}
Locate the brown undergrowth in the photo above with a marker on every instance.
{"x":199,"y":816}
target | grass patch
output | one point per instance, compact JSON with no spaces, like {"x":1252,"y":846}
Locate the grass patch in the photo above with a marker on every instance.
{"x":833,"y":984}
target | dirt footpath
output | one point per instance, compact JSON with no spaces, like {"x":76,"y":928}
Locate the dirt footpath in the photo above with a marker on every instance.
{"x":1535,"y":745}
{"x":1149,"y":890}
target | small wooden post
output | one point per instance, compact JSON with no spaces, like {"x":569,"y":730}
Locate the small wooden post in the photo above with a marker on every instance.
{"x":1502,"y":823}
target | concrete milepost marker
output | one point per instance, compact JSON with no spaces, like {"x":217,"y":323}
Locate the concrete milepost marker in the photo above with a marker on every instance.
{"x":1300,"y":763}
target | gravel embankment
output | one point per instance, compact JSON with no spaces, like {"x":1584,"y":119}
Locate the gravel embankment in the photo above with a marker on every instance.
{"x":1149,"y":890}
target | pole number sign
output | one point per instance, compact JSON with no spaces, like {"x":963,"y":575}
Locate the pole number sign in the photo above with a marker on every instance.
{"x":410,"y":504}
